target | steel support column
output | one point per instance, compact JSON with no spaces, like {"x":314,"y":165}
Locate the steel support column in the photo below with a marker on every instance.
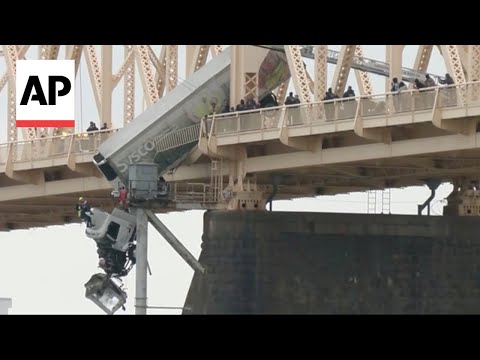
{"x":142,"y":264}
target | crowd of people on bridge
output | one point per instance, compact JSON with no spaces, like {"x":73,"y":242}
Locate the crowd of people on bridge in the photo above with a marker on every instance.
{"x":271,"y":100}
{"x":347,"y":106}
{"x":418,"y":84}
{"x":250,"y":103}
{"x":427,"y":99}
{"x":330,"y":95}
{"x":93,"y":127}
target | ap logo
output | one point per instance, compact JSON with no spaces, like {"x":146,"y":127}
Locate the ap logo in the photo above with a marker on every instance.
{"x":45,"y":93}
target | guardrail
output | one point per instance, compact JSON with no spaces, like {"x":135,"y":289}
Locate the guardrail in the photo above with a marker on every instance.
{"x":406,"y":101}
{"x":344,"y":109}
{"x":51,"y":147}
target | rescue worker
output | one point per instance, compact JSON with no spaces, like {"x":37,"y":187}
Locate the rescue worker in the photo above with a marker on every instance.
{"x":123,"y":198}
{"x":83,"y":210}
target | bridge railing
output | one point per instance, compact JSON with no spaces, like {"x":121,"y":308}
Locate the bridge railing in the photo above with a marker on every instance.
{"x":343,"y":109}
{"x":246,"y":120}
{"x":459,"y":95}
{"x":52,"y":147}
{"x":398,"y":102}
{"x":3,"y":153}
{"x":90,"y":141}
{"x":388,"y":104}
{"x":192,"y":192}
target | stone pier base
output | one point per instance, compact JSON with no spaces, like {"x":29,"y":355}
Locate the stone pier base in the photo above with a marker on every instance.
{"x":322,"y":263}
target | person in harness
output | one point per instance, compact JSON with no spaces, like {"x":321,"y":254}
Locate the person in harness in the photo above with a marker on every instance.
{"x":122,"y":199}
{"x":84,"y":211}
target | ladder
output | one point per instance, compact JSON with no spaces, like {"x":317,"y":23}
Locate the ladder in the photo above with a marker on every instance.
{"x":177,"y":138}
{"x":371,"y":202}
{"x":216,"y":180}
{"x":386,"y":201}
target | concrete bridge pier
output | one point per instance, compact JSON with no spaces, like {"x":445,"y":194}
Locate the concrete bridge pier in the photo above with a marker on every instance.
{"x":324,"y":263}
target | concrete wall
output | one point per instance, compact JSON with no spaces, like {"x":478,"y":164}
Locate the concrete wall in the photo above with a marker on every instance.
{"x":5,"y":305}
{"x":307,"y":263}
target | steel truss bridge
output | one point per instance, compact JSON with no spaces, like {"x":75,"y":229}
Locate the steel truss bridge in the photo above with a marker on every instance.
{"x":377,"y":140}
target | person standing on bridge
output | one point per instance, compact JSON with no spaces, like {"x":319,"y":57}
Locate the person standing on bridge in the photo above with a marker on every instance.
{"x":330,"y":106}
{"x":430,"y":95}
{"x":429,"y":82}
{"x":290,"y":100}
{"x":395,"y":88}
{"x":395,"y":85}
{"x":349,"y":106}
{"x":403,"y":102}
{"x":349,"y":93}
{"x":226,"y":107}
{"x":92,"y":127}
{"x":447,"y":81}
{"x":450,"y":93}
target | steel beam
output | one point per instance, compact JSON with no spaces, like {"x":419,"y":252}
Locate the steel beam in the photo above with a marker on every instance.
{"x":174,"y":242}
{"x":342,"y":70}
{"x":107,"y":87}
{"x":320,"y":84}
{"x":298,"y":72}
{"x":364,"y":83}
{"x":141,"y":266}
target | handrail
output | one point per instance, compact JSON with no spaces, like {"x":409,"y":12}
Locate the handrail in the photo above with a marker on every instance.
{"x":54,"y":146}
{"x":265,"y":110}
{"x":340,"y":100}
{"x":28,"y":150}
{"x":343,"y":109}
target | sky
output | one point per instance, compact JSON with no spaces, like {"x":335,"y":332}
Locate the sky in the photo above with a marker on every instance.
{"x":44,"y":270}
